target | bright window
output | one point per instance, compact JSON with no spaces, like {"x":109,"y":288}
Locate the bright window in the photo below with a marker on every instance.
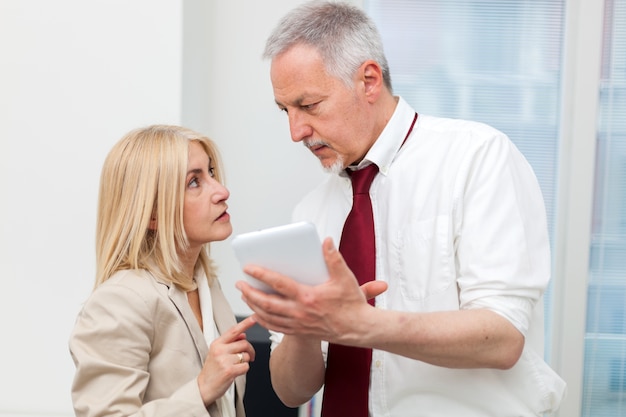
{"x":497,"y":62}
{"x":604,"y":384}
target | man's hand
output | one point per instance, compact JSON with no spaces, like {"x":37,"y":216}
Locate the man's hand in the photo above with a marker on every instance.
{"x":330,"y":311}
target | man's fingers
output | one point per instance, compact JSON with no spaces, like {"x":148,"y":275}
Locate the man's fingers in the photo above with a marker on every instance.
{"x":373,"y":289}
{"x":280,"y":283}
{"x":334,"y":261}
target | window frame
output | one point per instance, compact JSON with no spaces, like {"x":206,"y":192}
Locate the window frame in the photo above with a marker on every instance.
{"x":574,"y":212}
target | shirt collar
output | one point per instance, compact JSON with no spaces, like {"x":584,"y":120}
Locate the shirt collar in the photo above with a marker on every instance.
{"x":384,"y":150}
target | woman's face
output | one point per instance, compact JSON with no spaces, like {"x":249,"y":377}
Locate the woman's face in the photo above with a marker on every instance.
{"x":204,"y":214}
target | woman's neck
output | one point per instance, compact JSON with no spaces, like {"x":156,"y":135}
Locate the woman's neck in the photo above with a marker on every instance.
{"x":189,"y":260}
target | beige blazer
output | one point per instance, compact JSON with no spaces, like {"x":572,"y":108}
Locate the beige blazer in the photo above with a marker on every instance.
{"x":138,"y":349}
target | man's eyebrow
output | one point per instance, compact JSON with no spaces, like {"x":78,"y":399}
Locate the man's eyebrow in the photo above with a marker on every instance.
{"x":298,"y":101}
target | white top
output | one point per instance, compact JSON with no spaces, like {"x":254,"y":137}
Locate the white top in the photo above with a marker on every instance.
{"x":226,"y":402}
{"x":460,"y":223}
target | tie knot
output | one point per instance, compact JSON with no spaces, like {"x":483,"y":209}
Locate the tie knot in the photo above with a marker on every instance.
{"x":362,"y":179}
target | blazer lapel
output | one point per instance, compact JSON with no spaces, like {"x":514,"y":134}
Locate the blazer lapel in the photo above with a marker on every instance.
{"x":179,"y":298}
{"x":224,"y":319}
{"x":222,"y":313}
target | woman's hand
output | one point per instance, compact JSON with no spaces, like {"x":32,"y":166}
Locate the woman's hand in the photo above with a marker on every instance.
{"x":229,"y":357}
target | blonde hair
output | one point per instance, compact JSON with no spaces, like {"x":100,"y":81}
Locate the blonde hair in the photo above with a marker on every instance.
{"x":143,"y":177}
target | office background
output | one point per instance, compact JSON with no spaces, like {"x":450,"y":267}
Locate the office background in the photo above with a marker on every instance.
{"x":76,"y":75}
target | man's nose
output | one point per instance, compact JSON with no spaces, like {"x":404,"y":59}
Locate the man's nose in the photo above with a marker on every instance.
{"x":299,"y":127}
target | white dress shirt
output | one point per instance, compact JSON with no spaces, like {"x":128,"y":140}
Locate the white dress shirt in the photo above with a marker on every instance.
{"x":226,"y":402}
{"x":460,"y":223}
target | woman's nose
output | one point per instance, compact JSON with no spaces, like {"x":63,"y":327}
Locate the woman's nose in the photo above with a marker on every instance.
{"x":221,"y":192}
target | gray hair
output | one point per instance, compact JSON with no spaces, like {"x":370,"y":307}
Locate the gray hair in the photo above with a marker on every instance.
{"x":343,"y":34}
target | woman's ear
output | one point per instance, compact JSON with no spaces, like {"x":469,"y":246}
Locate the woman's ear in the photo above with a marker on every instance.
{"x":153,"y":223}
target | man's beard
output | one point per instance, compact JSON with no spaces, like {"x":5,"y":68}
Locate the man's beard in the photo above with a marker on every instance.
{"x":336,"y":167}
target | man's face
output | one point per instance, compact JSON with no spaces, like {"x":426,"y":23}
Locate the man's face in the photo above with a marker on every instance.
{"x":330,"y":118}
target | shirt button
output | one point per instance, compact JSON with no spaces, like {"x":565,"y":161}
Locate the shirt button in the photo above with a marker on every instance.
{"x":378,"y":364}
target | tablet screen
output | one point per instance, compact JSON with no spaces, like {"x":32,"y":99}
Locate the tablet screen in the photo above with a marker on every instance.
{"x":294,"y":250}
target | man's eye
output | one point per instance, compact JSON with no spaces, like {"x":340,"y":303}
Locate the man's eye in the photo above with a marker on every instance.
{"x":309,"y":106}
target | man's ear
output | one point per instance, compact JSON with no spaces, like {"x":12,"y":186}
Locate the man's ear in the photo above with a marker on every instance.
{"x":372,"y":77}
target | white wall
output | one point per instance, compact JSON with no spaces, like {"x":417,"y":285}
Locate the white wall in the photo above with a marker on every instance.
{"x":265,"y":172}
{"x":75,"y":76}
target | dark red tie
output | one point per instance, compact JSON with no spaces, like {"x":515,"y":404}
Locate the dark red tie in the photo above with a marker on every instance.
{"x":347,"y":380}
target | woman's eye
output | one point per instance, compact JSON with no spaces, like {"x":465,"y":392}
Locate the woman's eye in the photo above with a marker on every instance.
{"x":212,"y":172}
{"x":193,"y":183}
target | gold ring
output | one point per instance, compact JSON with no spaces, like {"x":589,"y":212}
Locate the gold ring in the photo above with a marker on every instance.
{"x":240,"y":356}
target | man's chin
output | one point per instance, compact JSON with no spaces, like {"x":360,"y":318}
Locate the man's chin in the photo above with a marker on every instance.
{"x":334,"y":168}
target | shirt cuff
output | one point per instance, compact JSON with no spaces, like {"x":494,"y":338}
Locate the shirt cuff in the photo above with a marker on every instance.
{"x":517,"y":310}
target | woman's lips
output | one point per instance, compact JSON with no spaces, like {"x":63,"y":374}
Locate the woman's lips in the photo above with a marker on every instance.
{"x":224,"y":217}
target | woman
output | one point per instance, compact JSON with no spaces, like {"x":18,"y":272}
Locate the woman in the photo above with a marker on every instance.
{"x":157,"y":336}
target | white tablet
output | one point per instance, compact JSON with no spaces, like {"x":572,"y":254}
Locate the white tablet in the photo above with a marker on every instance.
{"x":294,"y":250}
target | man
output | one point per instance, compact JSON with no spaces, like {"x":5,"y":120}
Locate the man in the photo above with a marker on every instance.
{"x":461,"y":247}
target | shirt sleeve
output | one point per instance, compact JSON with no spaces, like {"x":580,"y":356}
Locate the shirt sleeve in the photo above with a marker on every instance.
{"x":501,"y":239}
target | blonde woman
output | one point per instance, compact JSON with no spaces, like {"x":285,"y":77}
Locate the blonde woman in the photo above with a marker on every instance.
{"x":157,"y":336}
